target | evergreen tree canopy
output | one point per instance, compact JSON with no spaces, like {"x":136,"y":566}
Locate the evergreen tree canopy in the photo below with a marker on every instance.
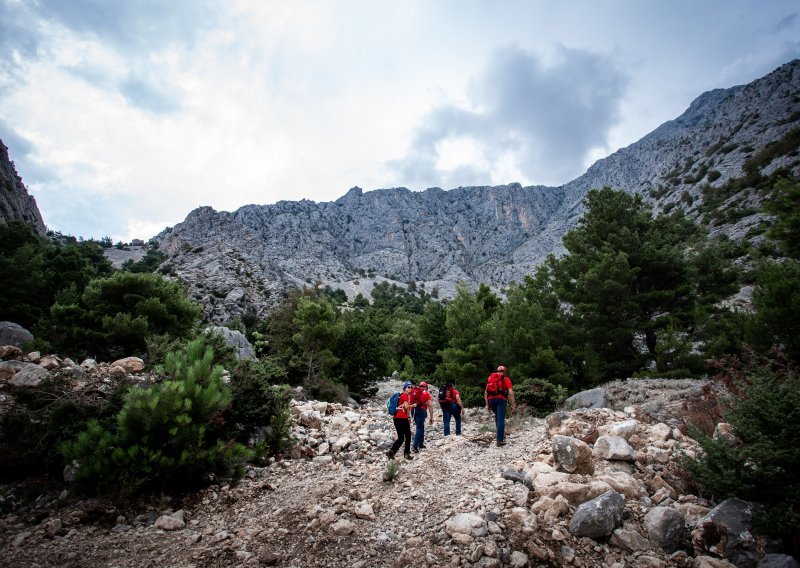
{"x":630,"y":278}
{"x":115,"y":315}
{"x":35,"y":270}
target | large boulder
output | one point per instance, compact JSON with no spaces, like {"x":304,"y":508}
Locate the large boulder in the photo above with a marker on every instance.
{"x":235,"y":338}
{"x":30,"y":376}
{"x":129,"y":365}
{"x":13,"y":334}
{"x":665,"y":527}
{"x":598,"y":517}
{"x":10,"y":368}
{"x":592,"y":398}
{"x":613,"y":448}
{"x":726,"y":531}
{"x":573,"y":455}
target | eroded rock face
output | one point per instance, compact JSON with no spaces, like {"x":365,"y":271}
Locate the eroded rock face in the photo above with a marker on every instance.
{"x":16,"y":204}
{"x":245,"y":259}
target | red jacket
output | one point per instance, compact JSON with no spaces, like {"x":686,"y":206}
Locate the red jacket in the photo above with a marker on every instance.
{"x":401,"y":413}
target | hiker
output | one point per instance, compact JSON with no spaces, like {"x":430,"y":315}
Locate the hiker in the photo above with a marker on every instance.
{"x":497,"y":394}
{"x":402,"y":424}
{"x":422,"y":400}
{"x":451,"y":405}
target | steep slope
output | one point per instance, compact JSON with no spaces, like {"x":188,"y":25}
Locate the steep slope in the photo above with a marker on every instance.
{"x":234,"y":262}
{"x":16,"y":204}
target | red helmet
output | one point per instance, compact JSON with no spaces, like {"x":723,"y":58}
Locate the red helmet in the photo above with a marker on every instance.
{"x":502,"y":369}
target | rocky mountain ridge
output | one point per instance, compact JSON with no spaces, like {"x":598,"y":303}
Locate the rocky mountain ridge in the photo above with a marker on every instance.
{"x":16,"y":204}
{"x":244,"y":260}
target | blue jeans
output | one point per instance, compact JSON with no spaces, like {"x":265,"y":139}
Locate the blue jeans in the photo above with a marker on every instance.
{"x":498,"y":406}
{"x":419,"y":434}
{"x":453,"y":410}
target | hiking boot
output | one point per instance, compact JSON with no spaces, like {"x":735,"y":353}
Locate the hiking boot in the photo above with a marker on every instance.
{"x":408,"y":457}
{"x":415,"y":450}
{"x":390,"y":454}
{"x":501,"y":442}
{"x":422,"y":447}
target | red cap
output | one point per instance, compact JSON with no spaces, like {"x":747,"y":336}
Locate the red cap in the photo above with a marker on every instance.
{"x":423,"y":384}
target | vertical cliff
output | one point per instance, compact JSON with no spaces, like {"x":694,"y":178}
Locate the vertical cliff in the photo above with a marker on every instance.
{"x":16,"y":204}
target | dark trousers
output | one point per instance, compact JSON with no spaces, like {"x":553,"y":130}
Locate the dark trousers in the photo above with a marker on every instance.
{"x":448,"y":410}
{"x":403,"y":427}
{"x":498,"y":407}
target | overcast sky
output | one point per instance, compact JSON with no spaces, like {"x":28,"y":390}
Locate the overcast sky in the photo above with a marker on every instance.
{"x":123,"y":116}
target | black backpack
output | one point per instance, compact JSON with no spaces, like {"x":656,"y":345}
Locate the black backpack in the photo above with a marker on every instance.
{"x":446,"y":394}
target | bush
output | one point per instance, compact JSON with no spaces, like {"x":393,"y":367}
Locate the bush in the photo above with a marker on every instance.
{"x":260,"y":408}
{"x":765,"y":416}
{"x":114,"y":316}
{"x":40,"y":419}
{"x":160,"y":346}
{"x":472,"y":397}
{"x":540,"y":395}
{"x":168,"y":436}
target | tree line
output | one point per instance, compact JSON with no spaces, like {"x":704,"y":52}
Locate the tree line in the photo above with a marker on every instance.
{"x":633,"y":295}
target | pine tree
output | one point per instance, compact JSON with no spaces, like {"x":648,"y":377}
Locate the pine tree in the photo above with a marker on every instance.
{"x":168,"y":436}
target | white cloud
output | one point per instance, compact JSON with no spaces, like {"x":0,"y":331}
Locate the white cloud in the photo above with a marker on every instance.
{"x":124,"y":116}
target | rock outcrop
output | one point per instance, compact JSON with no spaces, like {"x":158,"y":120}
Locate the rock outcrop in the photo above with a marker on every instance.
{"x":16,"y":204}
{"x":245,"y":260}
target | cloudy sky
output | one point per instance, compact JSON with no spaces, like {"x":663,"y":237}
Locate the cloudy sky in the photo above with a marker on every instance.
{"x":124,"y":115}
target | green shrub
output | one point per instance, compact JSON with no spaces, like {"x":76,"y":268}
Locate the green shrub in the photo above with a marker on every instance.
{"x":167,"y":436}
{"x":391,"y":470}
{"x":765,"y":416}
{"x":259,"y":406}
{"x":472,"y":397}
{"x":115,"y":316}
{"x":38,"y":420}
{"x":540,"y":395}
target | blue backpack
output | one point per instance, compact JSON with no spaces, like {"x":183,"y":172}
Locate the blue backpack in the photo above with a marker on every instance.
{"x":391,"y":404}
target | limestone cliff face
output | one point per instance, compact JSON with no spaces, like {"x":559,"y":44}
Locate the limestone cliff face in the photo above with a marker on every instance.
{"x":16,"y":204}
{"x":245,"y":260}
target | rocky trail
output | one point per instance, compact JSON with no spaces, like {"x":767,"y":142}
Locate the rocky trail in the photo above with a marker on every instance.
{"x":462,"y":501}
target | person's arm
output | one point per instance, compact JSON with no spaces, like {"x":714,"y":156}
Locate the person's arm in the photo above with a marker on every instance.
{"x":430,"y":408}
{"x":511,"y":398}
{"x":460,"y":404}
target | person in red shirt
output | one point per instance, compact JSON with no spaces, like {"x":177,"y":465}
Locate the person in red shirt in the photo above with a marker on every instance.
{"x":452,"y":408}
{"x":421,"y":412}
{"x":497,"y":394}
{"x":401,"y":423}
